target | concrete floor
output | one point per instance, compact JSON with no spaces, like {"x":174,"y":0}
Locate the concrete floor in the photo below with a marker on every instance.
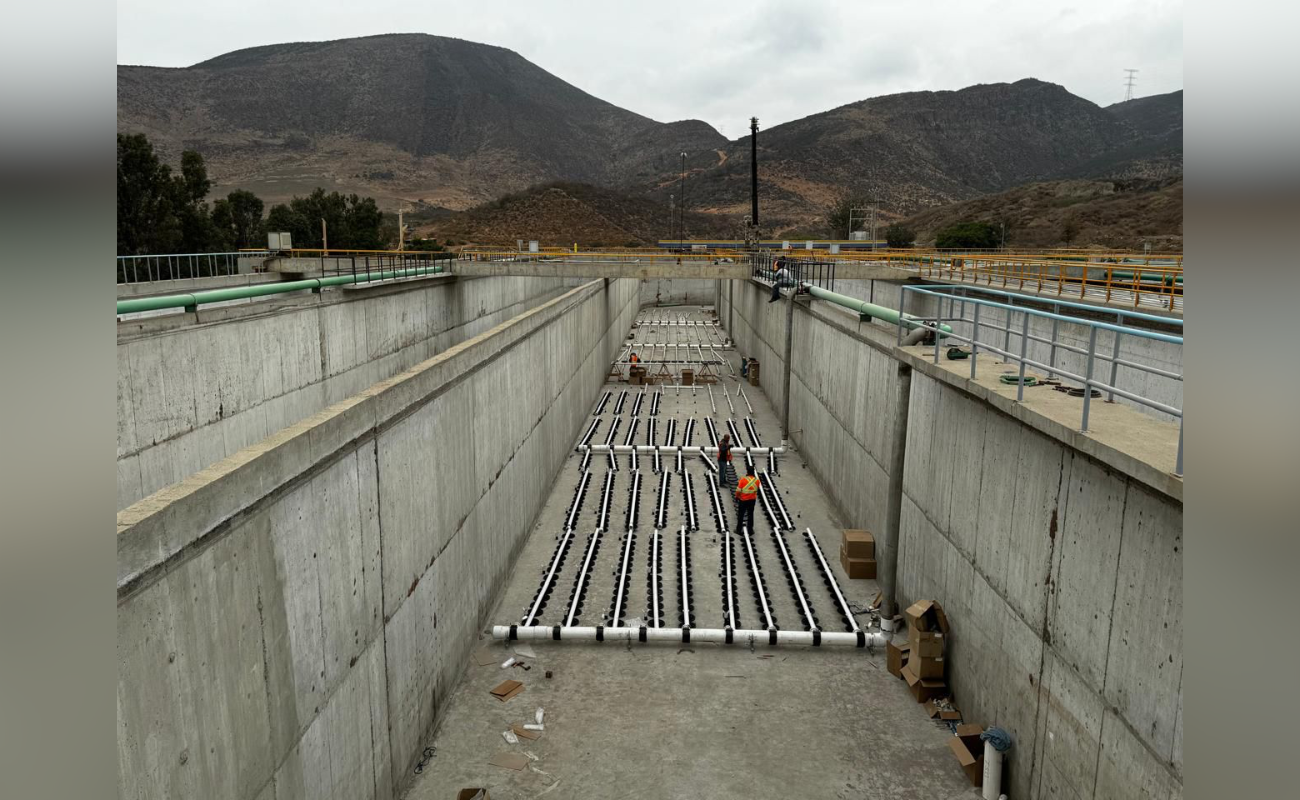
{"x":667,"y":721}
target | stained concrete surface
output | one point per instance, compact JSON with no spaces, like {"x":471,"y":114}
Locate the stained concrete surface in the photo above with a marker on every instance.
{"x":697,"y":720}
{"x":1056,"y":554}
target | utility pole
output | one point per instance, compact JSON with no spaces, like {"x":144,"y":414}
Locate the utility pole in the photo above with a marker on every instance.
{"x":753,"y":171}
{"x":1129,"y":82}
{"x":681,"y":240}
{"x":324,"y":238}
{"x":401,"y":230}
{"x":672,"y":217}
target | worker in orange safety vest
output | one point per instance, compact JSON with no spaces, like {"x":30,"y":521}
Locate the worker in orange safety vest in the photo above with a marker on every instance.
{"x":747,"y":494}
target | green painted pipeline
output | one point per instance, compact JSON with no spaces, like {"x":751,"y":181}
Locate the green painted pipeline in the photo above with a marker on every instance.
{"x":193,"y":300}
{"x":866,"y":309}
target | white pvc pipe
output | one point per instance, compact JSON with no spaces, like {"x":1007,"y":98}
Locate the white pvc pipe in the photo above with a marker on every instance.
{"x":573,"y":633}
{"x":992,"y":771}
{"x":757,"y":577}
{"x":685,"y":577}
{"x":830,"y":577}
{"x":689,"y":451}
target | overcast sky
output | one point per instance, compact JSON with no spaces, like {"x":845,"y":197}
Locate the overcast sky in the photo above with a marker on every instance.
{"x":717,"y":60}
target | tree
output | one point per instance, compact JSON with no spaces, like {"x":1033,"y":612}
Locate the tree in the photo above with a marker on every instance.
{"x":351,"y":222}
{"x":899,"y":235}
{"x":238,"y":218}
{"x":839,"y":214}
{"x":1069,"y":230}
{"x":145,"y":219}
{"x":968,"y":236}
{"x":159,"y":212}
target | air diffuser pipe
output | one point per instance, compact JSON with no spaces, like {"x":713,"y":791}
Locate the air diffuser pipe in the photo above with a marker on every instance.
{"x":574,"y":633}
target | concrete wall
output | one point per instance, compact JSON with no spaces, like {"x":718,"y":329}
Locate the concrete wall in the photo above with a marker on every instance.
{"x":1061,"y":573}
{"x":678,"y":291}
{"x":292,"y":618}
{"x":194,"y":388}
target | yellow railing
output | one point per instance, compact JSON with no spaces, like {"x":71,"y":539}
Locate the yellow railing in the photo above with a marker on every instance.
{"x":1139,"y":284}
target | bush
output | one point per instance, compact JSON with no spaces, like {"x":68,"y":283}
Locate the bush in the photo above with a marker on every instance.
{"x":899,"y":235}
{"x":968,"y":235}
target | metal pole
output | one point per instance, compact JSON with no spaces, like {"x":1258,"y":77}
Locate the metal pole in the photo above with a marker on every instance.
{"x":894,"y":506}
{"x":1056,"y":309}
{"x":1024,"y":344}
{"x":789,"y":347}
{"x":1114,"y":360}
{"x":974,"y":339}
{"x":1087,"y":383}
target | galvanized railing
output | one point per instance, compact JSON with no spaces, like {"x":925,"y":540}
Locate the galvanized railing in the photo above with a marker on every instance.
{"x":994,"y":336}
{"x":181,"y":266}
{"x":803,"y":269}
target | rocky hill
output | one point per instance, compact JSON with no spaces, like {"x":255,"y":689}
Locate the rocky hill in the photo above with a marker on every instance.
{"x":449,"y":123}
{"x":422,"y":117}
{"x":1110,"y":213}
{"x":562,"y":214}
{"x":925,"y":149}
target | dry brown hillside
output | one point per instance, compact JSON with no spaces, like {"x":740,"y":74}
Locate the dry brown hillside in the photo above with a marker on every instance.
{"x":562,"y":214}
{"x":1112,"y":213}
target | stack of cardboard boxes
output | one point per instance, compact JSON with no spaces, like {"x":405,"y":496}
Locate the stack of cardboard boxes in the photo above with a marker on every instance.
{"x":858,"y":554}
{"x":926,"y":628}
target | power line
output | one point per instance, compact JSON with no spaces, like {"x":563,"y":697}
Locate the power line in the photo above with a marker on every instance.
{"x":1129,"y":82}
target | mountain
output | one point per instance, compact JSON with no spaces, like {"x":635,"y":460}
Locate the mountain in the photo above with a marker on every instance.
{"x":1156,"y":149}
{"x":409,"y":115}
{"x":561,"y":214}
{"x":1124,"y":213}
{"x":924,"y":149}
{"x":449,"y":123}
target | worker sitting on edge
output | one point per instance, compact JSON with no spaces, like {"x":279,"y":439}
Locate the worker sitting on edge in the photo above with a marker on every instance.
{"x":782,"y":280}
{"x":747,"y":494}
{"x":724,"y":456}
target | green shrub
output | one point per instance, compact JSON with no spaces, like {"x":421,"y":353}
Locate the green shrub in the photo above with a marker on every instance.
{"x":968,"y":235}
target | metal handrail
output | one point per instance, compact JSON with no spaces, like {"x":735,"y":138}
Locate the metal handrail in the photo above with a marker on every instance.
{"x":1087,"y":381}
{"x":149,"y":268}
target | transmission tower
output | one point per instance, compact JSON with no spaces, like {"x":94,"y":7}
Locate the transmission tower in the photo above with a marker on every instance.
{"x":1129,"y":82}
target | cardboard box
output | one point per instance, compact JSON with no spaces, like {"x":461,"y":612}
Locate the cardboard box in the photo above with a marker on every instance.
{"x":753,"y":372}
{"x":473,"y":794}
{"x":859,"y":544}
{"x":926,"y":666}
{"x":506,"y":690}
{"x":926,"y":615}
{"x":857,"y":567}
{"x":636,"y":376}
{"x":896,"y":656}
{"x":969,"y":750}
{"x":928,"y":644}
{"x":923,"y":688}
{"x":688,"y":377}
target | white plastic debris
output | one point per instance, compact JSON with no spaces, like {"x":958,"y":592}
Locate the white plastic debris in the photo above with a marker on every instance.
{"x":541,"y":712}
{"x":529,"y":726}
{"x":510,"y":737}
{"x":508,"y":662}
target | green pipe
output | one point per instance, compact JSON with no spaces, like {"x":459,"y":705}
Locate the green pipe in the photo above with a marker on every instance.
{"x":866,"y":309}
{"x":1164,"y":278}
{"x":193,"y":300}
